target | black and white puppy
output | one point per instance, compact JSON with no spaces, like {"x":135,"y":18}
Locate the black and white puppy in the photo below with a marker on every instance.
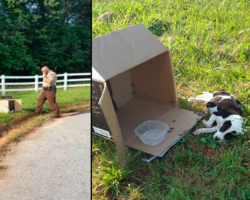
{"x":225,"y":110}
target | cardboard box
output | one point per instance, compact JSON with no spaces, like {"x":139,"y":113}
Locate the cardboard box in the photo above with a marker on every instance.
{"x":8,"y":104}
{"x":132,"y":82}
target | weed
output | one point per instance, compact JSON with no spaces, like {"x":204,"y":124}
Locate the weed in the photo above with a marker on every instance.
{"x":112,"y":178}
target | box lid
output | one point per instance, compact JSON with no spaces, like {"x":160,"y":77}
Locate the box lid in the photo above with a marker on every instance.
{"x":122,"y":50}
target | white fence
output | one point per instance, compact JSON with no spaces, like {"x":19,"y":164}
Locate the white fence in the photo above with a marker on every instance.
{"x":67,"y":78}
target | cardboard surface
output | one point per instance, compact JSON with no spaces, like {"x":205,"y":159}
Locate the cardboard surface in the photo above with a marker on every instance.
{"x":18,"y":105}
{"x":110,"y":116}
{"x":139,"y":110}
{"x":4,"y":106}
{"x":121,"y":50}
{"x":122,"y":90}
{"x":96,"y":76}
{"x":154,"y":79}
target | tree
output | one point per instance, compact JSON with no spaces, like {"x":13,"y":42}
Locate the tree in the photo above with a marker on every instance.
{"x":37,"y":32}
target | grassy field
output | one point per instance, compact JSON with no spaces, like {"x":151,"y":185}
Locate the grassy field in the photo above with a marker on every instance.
{"x":29,"y":100}
{"x":210,"y":46}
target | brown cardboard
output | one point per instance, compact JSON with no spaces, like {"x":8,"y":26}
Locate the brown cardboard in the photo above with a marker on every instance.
{"x":179,"y":120}
{"x":8,"y":104}
{"x":135,"y":72}
{"x":110,"y":116}
{"x":122,"y":50}
{"x":121,"y":87}
{"x":153,"y":80}
{"x":138,"y":110}
{"x":18,"y":105}
{"x":4,"y":106}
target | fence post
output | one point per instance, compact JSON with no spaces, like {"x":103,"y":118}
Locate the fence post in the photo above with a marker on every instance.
{"x":65,"y":81}
{"x":3,"y":84}
{"x":36,"y":83}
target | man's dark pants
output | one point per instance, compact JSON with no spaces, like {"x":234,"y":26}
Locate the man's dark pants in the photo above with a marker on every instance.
{"x":51,"y":97}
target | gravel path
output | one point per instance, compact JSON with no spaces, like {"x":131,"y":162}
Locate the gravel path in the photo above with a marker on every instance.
{"x":53,"y":163}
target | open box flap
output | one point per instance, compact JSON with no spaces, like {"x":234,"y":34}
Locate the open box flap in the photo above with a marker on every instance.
{"x":139,"y":110}
{"x":121,"y":50}
{"x":109,"y":113}
{"x":180,"y":122}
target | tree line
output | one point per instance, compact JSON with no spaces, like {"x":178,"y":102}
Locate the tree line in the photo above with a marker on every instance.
{"x":38,"y":32}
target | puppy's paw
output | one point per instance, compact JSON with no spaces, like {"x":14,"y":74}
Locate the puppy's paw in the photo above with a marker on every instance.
{"x":191,"y":100}
{"x":202,"y":96}
{"x":205,"y":122}
{"x":197,"y":132}
{"x":241,"y":132}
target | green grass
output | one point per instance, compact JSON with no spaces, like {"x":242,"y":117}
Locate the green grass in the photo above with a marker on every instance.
{"x":210,"y":46}
{"x":29,"y":101}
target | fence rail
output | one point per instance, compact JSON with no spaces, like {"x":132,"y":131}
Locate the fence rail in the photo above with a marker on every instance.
{"x":66,"y":78}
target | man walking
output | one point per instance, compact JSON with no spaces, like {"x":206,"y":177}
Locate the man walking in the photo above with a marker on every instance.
{"x":48,"y":91}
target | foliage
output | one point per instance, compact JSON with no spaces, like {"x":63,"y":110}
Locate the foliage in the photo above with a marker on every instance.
{"x":37,"y":32}
{"x":112,"y":178}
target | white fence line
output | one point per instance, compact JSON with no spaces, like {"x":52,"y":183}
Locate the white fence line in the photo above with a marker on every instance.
{"x":36,"y":82}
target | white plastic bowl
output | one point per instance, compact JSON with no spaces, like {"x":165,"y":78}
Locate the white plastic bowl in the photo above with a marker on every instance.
{"x":152,"y":132}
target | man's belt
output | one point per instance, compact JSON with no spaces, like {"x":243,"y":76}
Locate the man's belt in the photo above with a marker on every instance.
{"x":50,"y":88}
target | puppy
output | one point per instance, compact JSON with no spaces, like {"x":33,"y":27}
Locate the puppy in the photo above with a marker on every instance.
{"x":225,"y":110}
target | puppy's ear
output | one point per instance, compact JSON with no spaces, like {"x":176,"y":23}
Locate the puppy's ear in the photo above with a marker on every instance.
{"x":239,"y":103}
{"x":210,"y":104}
{"x":229,"y":136}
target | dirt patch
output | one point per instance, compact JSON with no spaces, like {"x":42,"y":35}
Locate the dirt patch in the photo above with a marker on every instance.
{"x":170,"y":173}
{"x":3,"y":128}
{"x":65,"y":109}
{"x":3,"y":172}
{"x":6,"y":127}
{"x":207,"y":151}
{"x":106,"y":16}
{"x":245,"y":164}
{"x":23,"y":118}
{"x":15,"y":127}
{"x":3,"y":151}
{"x":75,"y":107}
